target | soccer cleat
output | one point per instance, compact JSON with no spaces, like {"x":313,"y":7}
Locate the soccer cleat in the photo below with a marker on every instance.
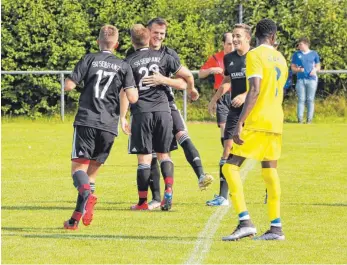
{"x":244,"y":229}
{"x":275,"y":233}
{"x":166,"y":203}
{"x":87,"y":217}
{"x":72,"y":223}
{"x":71,"y":226}
{"x":218,"y":201}
{"x":153,"y":205}
{"x":205,"y":180}
{"x":142,"y":207}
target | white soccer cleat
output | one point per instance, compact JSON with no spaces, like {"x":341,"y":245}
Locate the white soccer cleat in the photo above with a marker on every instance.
{"x":241,"y":231}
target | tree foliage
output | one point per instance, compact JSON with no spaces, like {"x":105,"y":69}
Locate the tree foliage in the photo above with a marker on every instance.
{"x":54,"y":35}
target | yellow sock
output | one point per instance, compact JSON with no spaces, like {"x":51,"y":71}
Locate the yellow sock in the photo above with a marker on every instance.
{"x":232,"y":175}
{"x":272,"y":183}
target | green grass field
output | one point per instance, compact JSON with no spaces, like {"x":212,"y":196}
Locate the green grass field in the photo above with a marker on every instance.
{"x":38,"y":195}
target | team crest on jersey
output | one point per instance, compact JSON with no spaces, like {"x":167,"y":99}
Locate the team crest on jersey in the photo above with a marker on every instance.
{"x":231,"y":64}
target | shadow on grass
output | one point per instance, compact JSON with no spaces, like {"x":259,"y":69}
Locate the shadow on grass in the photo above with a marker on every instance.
{"x":68,"y":235}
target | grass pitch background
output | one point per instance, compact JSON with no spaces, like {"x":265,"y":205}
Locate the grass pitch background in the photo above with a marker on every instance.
{"x":37,"y":196}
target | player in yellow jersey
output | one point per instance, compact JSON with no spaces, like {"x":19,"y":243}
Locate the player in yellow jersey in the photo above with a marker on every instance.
{"x":258,"y":133}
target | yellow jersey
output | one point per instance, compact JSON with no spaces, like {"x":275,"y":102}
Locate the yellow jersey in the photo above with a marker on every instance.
{"x":268,"y":64}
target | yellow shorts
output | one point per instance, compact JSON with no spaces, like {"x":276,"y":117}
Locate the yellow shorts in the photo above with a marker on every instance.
{"x":262,"y":146}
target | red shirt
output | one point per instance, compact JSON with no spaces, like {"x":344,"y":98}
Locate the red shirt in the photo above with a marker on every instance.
{"x":216,"y":61}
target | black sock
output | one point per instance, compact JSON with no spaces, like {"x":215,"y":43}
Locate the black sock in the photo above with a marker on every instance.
{"x":154,"y":180}
{"x":222,"y":141}
{"x":143,"y":173}
{"x":92,"y":186}
{"x":81,"y":182}
{"x":192,"y":154}
{"x":167,"y":170}
{"x":223,"y":186}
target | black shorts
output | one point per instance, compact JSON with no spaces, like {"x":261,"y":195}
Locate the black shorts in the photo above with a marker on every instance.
{"x":150,"y":132}
{"x":91,"y":143}
{"x":223,"y":107}
{"x":232,"y":119}
{"x":178,"y":121}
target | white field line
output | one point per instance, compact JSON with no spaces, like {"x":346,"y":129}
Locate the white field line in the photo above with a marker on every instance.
{"x":205,"y":238}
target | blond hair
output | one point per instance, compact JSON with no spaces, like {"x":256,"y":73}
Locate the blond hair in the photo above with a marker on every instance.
{"x":139,"y":35}
{"x":245,"y":27}
{"x":108,"y":36}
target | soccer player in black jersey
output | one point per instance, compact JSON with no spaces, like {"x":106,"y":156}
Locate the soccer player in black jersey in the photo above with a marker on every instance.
{"x":157,"y":28}
{"x":235,"y":77}
{"x":151,"y":121}
{"x":105,"y":78}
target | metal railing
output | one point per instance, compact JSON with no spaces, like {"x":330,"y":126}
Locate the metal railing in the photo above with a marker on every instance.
{"x":65,"y":72}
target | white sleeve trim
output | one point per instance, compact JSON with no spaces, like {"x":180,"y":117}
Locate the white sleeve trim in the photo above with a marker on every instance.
{"x":260,"y":76}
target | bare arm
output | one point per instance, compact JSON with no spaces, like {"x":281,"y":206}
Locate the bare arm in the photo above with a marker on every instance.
{"x":296,"y":69}
{"x":251,"y":99}
{"x":124,"y":106}
{"x":69,"y":84}
{"x":224,"y":87}
{"x":159,"y":79}
{"x":132,"y":95}
{"x":203,"y":73}
{"x":187,"y":76}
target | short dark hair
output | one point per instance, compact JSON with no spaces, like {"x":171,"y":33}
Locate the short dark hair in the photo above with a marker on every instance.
{"x":224,"y":38}
{"x":265,"y":28}
{"x":139,"y":35}
{"x":245,"y":27}
{"x":158,"y":20}
{"x":304,"y":40}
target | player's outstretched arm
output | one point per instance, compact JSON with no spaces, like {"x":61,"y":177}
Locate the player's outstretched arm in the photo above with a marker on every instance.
{"x":224,"y":87}
{"x":69,"y":84}
{"x":203,"y":73}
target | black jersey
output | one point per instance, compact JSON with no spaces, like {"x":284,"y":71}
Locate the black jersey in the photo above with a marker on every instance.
{"x":169,"y":91}
{"x":143,"y":63}
{"x":103,"y":75}
{"x":235,"y":67}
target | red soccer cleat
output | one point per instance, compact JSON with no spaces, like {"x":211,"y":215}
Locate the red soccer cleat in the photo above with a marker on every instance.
{"x":87,"y":217}
{"x":69,"y":226}
{"x":76,"y":216}
{"x":136,"y":207}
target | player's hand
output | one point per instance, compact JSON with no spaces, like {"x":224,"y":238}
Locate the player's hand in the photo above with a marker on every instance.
{"x":212,"y":108}
{"x":238,"y":101}
{"x":125,"y":126}
{"x":216,"y":70}
{"x":194,"y":94}
{"x":153,"y":80}
{"x":237,"y":134}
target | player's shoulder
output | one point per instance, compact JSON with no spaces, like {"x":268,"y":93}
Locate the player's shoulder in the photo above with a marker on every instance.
{"x":169,"y":51}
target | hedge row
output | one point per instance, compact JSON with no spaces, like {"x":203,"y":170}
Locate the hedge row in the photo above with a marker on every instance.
{"x":54,"y":35}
